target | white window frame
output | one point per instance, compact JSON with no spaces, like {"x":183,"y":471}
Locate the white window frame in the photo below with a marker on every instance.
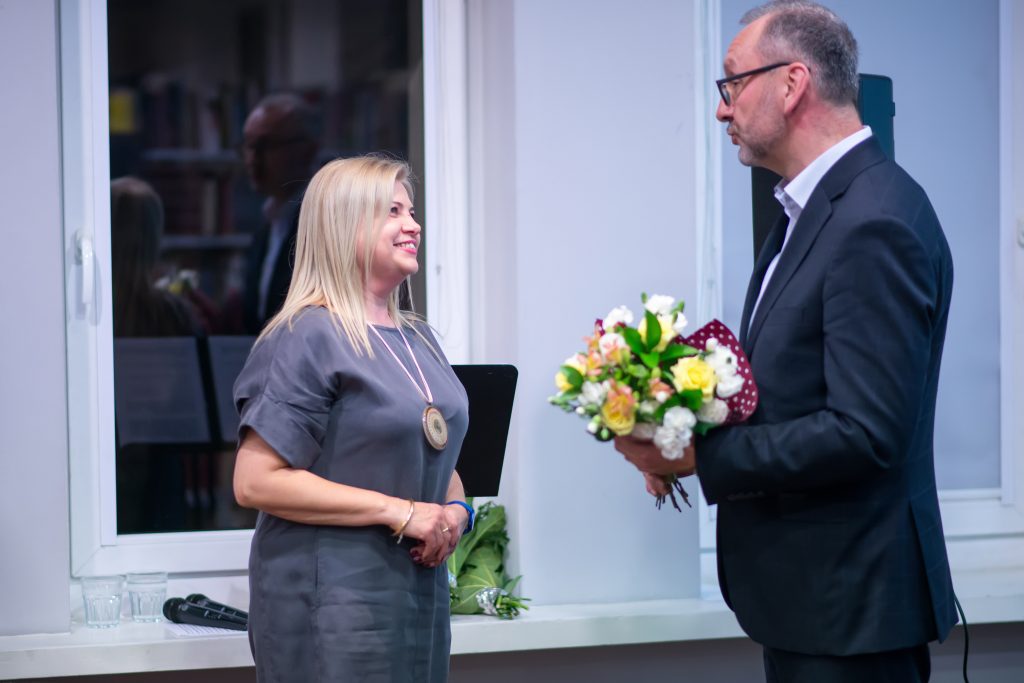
{"x":708,"y":206}
{"x":984,"y":528}
{"x":96,"y":547}
{"x":971,"y":514}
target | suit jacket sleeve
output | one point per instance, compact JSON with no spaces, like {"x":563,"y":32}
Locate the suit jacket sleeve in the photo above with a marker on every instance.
{"x":878,"y":308}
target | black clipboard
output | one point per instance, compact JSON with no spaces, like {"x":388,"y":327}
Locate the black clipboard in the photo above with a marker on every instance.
{"x":491,"y":390}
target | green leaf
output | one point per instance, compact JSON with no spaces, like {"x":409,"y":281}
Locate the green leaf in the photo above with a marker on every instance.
{"x":573,"y":375}
{"x":693,"y":398}
{"x":638,"y":371}
{"x":511,"y":584}
{"x":675,"y":351}
{"x":671,"y":402}
{"x":464,"y":601}
{"x":489,"y":527}
{"x":633,"y":340}
{"x":702,"y":428}
{"x":485,"y":556}
{"x":483,"y":576}
{"x":653,"y":330}
{"x":649,"y":359}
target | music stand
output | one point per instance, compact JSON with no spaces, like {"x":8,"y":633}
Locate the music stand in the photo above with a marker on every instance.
{"x":491,"y":390}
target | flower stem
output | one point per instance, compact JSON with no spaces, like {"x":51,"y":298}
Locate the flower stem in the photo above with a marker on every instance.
{"x":675,"y":486}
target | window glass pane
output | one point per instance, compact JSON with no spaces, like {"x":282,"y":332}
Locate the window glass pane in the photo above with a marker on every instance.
{"x":949,"y":143}
{"x":220,"y":112}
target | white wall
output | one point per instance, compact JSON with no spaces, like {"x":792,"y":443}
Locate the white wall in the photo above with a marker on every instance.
{"x":602,"y":194}
{"x":33,"y":412}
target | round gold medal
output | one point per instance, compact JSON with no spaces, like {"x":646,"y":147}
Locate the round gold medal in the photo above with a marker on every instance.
{"x":435,"y":427}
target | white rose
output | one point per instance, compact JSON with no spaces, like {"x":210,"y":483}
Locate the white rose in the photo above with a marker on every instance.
{"x":680,"y":323}
{"x":729,"y":386}
{"x":679,"y":419}
{"x":644,"y":431}
{"x":721,"y":359}
{"x":671,"y":442}
{"x":611,"y":342}
{"x":659,"y":304}
{"x":713,"y":412}
{"x":592,"y":393}
{"x":619,"y":314}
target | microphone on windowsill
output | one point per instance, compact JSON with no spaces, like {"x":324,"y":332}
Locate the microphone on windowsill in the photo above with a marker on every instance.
{"x":181,"y":611}
{"x":203,"y":601}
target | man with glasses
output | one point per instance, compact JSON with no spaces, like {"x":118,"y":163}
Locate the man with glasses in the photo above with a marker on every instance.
{"x":278,"y":149}
{"x":830,"y":545}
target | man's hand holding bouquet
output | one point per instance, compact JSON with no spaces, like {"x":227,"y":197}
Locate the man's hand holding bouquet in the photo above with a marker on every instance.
{"x":651,"y":384}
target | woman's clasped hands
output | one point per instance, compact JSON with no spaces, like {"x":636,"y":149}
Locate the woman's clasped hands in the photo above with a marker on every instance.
{"x":438,"y":528}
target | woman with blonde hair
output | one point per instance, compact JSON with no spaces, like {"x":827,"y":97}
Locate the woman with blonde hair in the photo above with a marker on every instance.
{"x":351,"y":424}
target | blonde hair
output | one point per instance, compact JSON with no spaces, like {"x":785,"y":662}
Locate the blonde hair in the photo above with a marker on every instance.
{"x":344,"y":198}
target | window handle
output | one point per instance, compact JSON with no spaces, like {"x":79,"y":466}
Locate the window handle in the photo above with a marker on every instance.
{"x":86,"y":259}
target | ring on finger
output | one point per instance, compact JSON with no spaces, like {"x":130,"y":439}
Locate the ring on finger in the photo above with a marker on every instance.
{"x":445,"y":530}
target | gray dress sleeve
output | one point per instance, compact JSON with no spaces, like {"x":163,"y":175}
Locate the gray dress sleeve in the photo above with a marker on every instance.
{"x":287,"y":387}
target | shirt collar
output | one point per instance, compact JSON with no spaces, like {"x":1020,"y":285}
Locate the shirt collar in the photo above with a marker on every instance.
{"x":796,"y":193}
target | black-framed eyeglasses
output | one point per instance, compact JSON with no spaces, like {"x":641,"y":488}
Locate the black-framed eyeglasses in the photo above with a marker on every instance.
{"x":724,"y":83}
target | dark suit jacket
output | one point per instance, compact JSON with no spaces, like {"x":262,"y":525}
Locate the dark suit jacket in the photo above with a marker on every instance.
{"x":829,"y":536}
{"x":281,"y":276}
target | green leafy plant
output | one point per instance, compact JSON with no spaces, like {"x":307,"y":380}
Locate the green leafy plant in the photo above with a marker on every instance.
{"x":476,"y":570}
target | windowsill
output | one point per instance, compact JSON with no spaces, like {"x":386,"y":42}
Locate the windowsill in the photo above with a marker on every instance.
{"x":988,"y":596}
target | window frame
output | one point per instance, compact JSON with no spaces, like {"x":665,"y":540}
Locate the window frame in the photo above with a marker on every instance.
{"x":998,"y":513}
{"x":96,"y":547}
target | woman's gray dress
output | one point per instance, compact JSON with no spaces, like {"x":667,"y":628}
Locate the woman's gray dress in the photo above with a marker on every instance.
{"x":335,"y":603}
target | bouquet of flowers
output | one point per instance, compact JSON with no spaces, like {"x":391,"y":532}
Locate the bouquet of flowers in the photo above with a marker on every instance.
{"x":651,"y":382}
{"x":476,"y":570}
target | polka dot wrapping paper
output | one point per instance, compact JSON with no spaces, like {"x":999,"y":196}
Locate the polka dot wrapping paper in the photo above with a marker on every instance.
{"x":743,"y":404}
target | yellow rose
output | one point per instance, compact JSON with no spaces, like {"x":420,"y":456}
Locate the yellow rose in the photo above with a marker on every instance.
{"x":667,"y":333}
{"x":577,"y":363}
{"x":562,"y":382}
{"x":619,"y":410}
{"x":693,"y":373}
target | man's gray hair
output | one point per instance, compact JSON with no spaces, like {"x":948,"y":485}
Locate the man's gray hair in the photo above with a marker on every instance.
{"x":800,"y":30}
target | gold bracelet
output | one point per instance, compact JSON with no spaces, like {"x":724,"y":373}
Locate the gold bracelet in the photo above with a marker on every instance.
{"x":401,"y":530}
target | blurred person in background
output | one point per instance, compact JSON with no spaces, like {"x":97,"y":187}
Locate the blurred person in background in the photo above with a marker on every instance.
{"x":280,"y":144}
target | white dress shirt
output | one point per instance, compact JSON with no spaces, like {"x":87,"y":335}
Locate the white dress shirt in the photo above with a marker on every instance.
{"x":794,"y":195}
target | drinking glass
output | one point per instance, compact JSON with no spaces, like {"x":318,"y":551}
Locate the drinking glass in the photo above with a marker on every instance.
{"x":102,"y":598}
{"x":147,"y":592}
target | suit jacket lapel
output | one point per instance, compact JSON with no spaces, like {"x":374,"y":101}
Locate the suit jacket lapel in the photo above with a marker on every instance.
{"x":771,"y":246}
{"x":812,"y":220}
